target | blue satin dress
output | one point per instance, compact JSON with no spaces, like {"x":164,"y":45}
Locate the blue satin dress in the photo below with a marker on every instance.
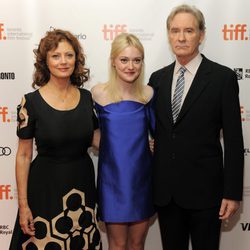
{"x":124,"y":167}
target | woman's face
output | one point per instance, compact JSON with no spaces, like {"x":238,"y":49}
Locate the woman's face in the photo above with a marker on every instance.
{"x":128,"y":64}
{"x":61,"y":61}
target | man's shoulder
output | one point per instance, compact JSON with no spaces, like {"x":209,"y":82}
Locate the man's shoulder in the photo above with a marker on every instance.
{"x":162,"y":73}
{"x":218,"y":66}
{"x":163,"y":69}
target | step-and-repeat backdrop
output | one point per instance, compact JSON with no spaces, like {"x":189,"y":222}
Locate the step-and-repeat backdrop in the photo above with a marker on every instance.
{"x":96,"y":23}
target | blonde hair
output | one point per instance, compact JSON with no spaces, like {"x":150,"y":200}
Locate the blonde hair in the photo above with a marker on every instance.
{"x":121,"y":42}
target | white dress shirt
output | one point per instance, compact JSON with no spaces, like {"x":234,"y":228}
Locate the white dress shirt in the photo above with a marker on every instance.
{"x":189,"y":75}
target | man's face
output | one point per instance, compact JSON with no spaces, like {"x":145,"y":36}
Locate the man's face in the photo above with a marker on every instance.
{"x":185,"y":37}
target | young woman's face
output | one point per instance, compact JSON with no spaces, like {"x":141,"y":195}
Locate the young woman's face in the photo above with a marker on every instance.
{"x":61,"y":61}
{"x":128,"y":64}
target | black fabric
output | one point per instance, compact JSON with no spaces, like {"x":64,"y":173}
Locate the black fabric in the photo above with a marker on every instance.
{"x":61,"y":184}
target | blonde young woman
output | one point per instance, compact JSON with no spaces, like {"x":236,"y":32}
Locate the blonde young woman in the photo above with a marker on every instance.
{"x":123,"y":106}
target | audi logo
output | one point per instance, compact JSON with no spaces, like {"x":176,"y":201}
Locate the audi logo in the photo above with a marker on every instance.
{"x":5,"y":151}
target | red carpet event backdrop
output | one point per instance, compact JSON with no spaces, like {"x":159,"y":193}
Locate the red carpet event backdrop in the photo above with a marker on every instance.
{"x":95,"y":23}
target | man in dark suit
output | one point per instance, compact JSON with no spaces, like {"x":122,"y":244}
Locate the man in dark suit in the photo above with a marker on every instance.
{"x":196,"y":182}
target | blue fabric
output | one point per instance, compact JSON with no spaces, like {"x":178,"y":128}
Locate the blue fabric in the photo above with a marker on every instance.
{"x":124,"y":168}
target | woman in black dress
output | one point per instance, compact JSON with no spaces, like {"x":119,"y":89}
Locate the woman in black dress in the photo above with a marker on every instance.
{"x":56,"y":191}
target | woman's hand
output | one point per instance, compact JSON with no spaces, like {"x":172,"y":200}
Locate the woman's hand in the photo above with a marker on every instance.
{"x":26,"y":220}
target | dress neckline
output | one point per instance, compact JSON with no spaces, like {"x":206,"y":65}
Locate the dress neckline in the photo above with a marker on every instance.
{"x":124,"y":101}
{"x":60,"y":110}
{"x":117,"y":103}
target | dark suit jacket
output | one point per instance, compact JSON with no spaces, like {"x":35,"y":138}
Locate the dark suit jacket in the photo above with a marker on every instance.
{"x":189,"y":164}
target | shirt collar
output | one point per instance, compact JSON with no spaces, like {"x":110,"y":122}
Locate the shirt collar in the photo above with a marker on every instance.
{"x":191,"y":67}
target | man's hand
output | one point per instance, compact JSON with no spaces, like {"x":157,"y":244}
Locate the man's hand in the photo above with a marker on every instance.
{"x":151,"y":145}
{"x":228,"y":208}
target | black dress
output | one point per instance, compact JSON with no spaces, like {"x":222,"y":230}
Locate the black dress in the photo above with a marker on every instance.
{"x":61,"y":183}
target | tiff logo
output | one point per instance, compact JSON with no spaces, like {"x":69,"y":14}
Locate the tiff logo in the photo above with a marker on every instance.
{"x":3,"y":114}
{"x":245,"y":226}
{"x":5,"y":191}
{"x":235,"y":32}
{"x":2,"y":35}
{"x":111,"y":31}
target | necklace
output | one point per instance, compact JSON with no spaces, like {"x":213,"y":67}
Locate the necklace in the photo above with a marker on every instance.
{"x":57,"y":95}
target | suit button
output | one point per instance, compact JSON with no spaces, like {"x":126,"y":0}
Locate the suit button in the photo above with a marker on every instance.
{"x":173,"y":135}
{"x":173,"y":156}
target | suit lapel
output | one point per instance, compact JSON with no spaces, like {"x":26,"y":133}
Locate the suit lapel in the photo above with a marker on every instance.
{"x":199,"y":83}
{"x":165,"y":91}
